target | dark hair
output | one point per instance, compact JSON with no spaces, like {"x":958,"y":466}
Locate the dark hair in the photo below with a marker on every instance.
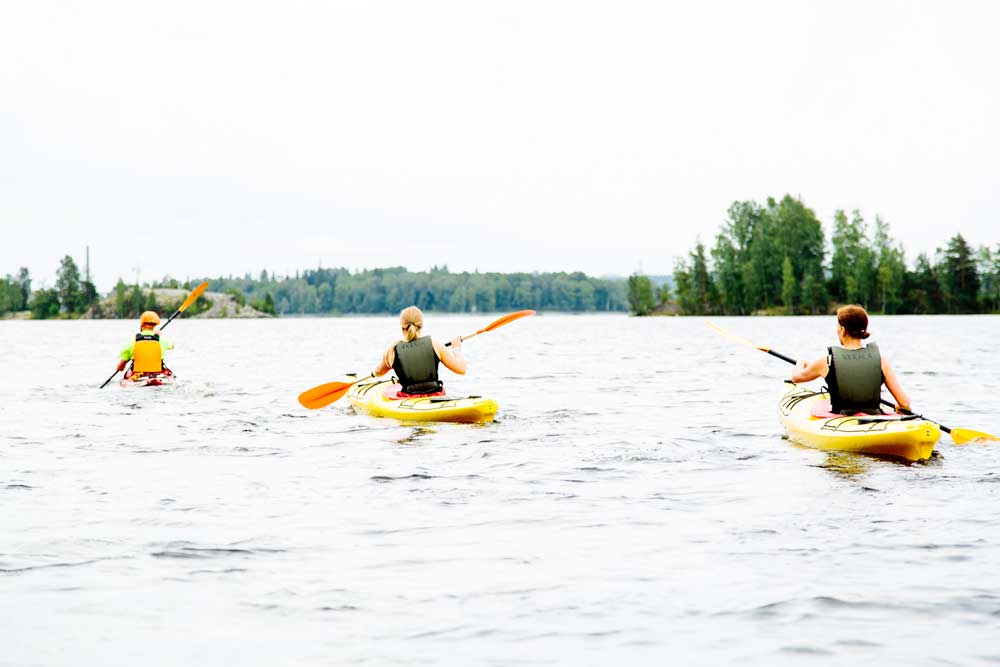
{"x":854,"y":319}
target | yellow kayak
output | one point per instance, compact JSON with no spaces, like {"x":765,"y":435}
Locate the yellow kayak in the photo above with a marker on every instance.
{"x":804,"y":414}
{"x":378,"y":398}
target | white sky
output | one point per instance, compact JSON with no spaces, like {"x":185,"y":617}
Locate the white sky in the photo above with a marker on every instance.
{"x":204,"y":138}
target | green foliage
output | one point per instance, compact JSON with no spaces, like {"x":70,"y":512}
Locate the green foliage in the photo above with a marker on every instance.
{"x":200,"y":305}
{"x":68,"y":285}
{"x":788,"y":286}
{"x":923,"y":292}
{"x":696,"y":292}
{"x":663,"y":294}
{"x":958,"y":276}
{"x":44,"y":304}
{"x":169,"y":282}
{"x":266,"y":305}
{"x":814,"y":295}
{"x":130,"y":302}
{"x":891,"y":273}
{"x":238,"y":296}
{"x":88,"y":296}
{"x":15,"y":291}
{"x":705,"y":294}
{"x":867,"y":266}
{"x":988,"y":266}
{"x":640,"y":295}
{"x":121,"y":300}
{"x":389,"y":290}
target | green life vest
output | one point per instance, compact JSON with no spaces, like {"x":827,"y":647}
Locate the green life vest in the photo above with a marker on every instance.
{"x":416,"y":366}
{"x":855,"y":379}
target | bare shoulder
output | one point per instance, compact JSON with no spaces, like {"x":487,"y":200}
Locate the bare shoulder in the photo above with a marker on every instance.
{"x":390,"y":355}
{"x":820,"y":366}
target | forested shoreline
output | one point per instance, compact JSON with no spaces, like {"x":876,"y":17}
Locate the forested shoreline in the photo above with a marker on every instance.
{"x":774,"y":259}
{"x":771,"y":258}
{"x":327,"y":292}
{"x":389,"y":290}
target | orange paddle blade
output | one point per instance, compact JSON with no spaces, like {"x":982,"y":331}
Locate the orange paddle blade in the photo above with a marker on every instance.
{"x":324,"y":394}
{"x":506,"y":319}
{"x":193,"y":296}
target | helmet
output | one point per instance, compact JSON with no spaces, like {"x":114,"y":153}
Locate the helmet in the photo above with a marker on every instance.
{"x":149,"y":317}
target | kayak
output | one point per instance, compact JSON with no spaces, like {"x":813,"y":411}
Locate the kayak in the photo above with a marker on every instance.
{"x":807,"y":419}
{"x":380,"y":398}
{"x":146,"y":379}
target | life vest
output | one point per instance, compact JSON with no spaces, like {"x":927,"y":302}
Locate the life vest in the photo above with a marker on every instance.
{"x":416,"y":366}
{"x":147,"y":356}
{"x":855,"y":379}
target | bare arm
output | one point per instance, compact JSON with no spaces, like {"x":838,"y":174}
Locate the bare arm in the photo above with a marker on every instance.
{"x":810,"y":370}
{"x":894,"y":386}
{"x":385,"y":363}
{"x":452,"y":358}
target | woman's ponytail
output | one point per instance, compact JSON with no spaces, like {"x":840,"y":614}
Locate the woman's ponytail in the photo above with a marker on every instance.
{"x":412,"y":321}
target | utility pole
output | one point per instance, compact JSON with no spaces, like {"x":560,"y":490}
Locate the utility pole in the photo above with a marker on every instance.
{"x":87,"y":270}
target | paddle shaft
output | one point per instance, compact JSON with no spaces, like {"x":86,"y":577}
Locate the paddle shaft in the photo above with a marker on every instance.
{"x":779,"y":355}
{"x":109,"y":379}
{"x":169,"y":320}
{"x":506,"y":319}
{"x":463,"y":338}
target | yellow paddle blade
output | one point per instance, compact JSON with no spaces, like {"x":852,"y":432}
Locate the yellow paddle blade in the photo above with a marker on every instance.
{"x":324,"y":394}
{"x":193,"y":296}
{"x":960,"y":436}
{"x":719,"y":330}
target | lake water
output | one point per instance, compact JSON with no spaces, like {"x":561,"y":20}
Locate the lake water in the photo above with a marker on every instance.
{"x":634,"y":502}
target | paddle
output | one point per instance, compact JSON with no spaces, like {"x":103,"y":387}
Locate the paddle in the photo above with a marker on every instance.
{"x":506,"y":319}
{"x":959,"y":436}
{"x":191,"y":298}
{"x":325,"y":394}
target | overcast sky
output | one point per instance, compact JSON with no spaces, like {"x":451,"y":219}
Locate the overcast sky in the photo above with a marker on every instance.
{"x":205,"y":138}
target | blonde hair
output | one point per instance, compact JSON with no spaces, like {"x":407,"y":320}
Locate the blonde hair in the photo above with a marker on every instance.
{"x":412,"y":321}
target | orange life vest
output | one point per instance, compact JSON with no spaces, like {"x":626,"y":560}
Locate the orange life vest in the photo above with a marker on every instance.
{"x":147,"y":356}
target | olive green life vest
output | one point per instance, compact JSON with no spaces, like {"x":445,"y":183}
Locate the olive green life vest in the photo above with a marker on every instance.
{"x":416,"y":366}
{"x":855,"y":379}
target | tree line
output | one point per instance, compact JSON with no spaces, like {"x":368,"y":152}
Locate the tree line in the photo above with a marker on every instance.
{"x":389,"y":290}
{"x":326,"y":291}
{"x":72,"y":295}
{"x":774,"y":258}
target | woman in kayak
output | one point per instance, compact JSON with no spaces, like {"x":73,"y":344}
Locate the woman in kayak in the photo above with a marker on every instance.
{"x":147,"y":350}
{"x":415,"y":358}
{"x":854,"y":371}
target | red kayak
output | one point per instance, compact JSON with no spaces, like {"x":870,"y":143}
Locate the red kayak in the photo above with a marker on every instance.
{"x":131,"y":379}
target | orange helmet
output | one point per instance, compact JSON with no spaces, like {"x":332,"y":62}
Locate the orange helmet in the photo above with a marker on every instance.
{"x":149,"y":317}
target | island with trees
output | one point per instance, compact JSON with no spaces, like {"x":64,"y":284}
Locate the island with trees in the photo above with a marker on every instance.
{"x":774,"y":259}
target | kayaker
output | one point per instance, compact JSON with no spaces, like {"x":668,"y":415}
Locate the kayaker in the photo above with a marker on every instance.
{"x":147,"y":349}
{"x":415,"y":358}
{"x":854,"y":371}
